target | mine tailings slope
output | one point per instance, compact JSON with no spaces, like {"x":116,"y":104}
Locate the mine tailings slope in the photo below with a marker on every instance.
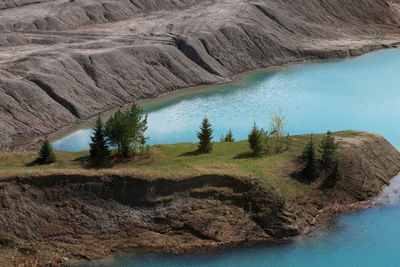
{"x":67,"y":217}
{"x":63,"y":62}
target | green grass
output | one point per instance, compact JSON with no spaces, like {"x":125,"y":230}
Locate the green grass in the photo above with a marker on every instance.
{"x":179,"y":161}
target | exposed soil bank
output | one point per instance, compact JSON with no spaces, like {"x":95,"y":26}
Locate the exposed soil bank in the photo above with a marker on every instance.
{"x":69,"y":61}
{"x":64,"y":218}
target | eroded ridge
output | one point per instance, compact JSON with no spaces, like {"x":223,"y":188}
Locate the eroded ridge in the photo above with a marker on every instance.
{"x":63,"y":61}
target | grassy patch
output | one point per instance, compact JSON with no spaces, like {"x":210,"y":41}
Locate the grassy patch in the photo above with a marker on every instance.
{"x":179,"y":161}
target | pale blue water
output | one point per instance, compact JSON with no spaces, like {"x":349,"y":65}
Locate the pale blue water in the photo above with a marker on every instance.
{"x":360,"y":94}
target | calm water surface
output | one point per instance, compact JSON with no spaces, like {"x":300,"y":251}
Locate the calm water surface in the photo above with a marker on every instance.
{"x":361,"y":93}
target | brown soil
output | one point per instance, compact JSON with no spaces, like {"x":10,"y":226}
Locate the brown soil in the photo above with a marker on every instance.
{"x":66,"y":218}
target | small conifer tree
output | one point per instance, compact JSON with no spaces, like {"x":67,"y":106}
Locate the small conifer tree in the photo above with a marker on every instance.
{"x":309,"y":156}
{"x":328,"y":149}
{"x":205,"y":137}
{"x":288,"y":141}
{"x":255,"y":140}
{"x":46,"y":153}
{"x":229,"y":137}
{"x":99,"y":150}
{"x":335,"y":175}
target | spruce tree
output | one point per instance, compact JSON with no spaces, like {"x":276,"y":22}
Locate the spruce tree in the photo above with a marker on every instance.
{"x":205,"y":137}
{"x":99,"y":150}
{"x":310,"y":171}
{"x":46,"y":153}
{"x":327,"y":149}
{"x":337,"y":170}
{"x":229,"y":137}
{"x":335,"y":175}
{"x":255,"y":140}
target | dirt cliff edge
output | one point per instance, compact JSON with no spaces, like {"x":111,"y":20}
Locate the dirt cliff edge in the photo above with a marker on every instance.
{"x":63,"y":218}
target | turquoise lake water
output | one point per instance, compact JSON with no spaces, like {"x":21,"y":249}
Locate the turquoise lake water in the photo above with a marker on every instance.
{"x":361,"y":94}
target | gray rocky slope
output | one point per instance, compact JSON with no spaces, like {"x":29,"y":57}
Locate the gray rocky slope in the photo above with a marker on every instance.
{"x":63,"y":62}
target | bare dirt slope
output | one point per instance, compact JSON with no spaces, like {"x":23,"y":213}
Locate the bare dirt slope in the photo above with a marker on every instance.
{"x":63,"y":61}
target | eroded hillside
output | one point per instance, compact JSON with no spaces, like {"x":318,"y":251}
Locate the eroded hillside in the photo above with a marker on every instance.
{"x":64,"y":61}
{"x":55,"y":214}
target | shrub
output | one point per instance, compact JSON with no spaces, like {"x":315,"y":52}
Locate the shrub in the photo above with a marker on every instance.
{"x":268,"y":142}
{"x":137,"y":128}
{"x":278,"y":123}
{"x":125,"y":130}
{"x":117,"y":132}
